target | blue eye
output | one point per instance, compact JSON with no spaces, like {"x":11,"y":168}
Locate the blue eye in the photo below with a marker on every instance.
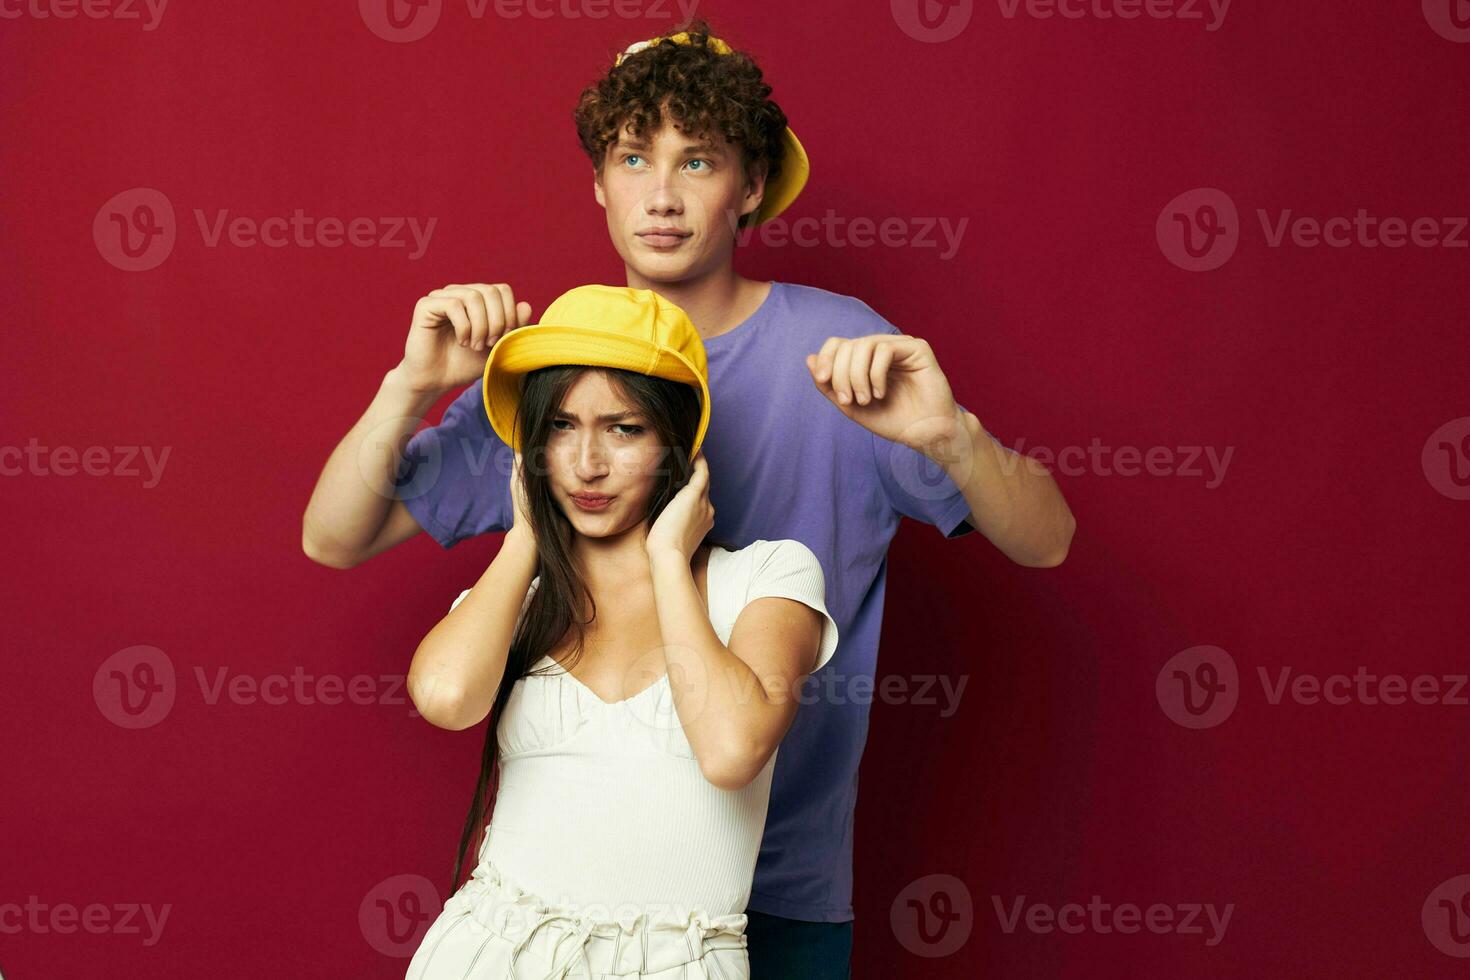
{"x":630,"y":156}
{"x":706,"y":162}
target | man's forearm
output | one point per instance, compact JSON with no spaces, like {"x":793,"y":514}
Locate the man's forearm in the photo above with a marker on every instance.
{"x":1014,"y":501}
{"x":352,"y":496}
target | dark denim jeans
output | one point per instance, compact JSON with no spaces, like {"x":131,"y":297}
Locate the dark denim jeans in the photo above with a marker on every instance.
{"x":791,"y":949}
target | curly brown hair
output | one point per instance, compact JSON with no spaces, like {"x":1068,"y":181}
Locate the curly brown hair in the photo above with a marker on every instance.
{"x":703,"y":91}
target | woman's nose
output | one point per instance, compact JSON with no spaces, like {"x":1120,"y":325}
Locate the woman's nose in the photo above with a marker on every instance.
{"x":591,"y":459}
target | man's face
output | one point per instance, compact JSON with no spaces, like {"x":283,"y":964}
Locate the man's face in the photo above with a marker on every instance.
{"x":673,"y":201}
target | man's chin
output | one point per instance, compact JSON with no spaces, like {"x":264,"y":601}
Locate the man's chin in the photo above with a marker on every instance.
{"x":661,"y":268}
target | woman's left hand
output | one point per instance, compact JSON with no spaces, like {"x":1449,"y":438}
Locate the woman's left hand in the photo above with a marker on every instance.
{"x":683,"y":524}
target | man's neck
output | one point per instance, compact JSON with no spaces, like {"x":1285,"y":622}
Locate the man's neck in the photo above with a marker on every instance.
{"x":716,"y":303}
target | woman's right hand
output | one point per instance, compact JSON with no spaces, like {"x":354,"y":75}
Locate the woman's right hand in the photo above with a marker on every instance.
{"x":453,"y":330}
{"x":521,"y":524}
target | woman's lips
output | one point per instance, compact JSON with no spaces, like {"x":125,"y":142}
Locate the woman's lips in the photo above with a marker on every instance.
{"x":591,"y":503}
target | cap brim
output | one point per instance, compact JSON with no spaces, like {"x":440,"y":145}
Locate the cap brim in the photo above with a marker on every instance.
{"x":529,"y":348}
{"x":795,"y":169}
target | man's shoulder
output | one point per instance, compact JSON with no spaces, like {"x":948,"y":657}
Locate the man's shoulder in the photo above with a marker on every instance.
{"x":833,"y":314}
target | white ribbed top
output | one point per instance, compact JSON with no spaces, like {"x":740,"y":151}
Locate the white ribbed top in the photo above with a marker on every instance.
{"x":602,"y":804}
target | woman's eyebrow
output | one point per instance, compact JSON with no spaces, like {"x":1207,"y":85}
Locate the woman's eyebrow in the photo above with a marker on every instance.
{"x":601,"y":418}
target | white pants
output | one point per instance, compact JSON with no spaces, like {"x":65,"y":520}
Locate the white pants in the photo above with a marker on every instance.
{"x":492,"y":929}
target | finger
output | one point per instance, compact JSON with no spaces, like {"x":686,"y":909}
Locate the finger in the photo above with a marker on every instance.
{"x":475,"y":306}
{"x":509,"y":316}
{"x":822,"y":386}
{"x":452,"y":308}
{"x":523,"y":313}
{"x":878,"y":373}
{"x":841,"y":381}
{"x":824,"y":358}
{"x":857,"y":371}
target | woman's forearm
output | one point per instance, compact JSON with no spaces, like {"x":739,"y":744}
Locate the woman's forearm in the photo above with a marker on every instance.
{"x":458,"y":667}
{"x":731,"y":724}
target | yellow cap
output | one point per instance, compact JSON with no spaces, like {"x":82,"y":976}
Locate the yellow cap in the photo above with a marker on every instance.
{"x":795,"y":168}
{"x":599,"y":326}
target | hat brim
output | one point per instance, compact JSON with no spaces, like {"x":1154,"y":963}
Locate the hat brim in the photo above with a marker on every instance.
{"x":529,"y":348}
{"x":795,"y":169}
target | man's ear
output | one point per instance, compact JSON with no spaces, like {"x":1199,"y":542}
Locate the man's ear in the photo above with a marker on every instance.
{"x":597,"y":188}
{"x":755,"y":189}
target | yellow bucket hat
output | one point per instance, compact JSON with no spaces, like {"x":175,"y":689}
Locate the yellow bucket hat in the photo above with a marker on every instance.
{"x":599,"y":326}
{"x":795,"y":168}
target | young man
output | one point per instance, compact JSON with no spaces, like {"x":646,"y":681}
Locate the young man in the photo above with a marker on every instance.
{"x":828,"y":425}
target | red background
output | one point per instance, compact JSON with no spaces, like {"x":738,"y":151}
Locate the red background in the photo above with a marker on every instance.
{"x":1325,"y":548}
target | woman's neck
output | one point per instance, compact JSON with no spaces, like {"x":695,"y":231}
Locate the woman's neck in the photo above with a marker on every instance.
{"x":614,"y":562}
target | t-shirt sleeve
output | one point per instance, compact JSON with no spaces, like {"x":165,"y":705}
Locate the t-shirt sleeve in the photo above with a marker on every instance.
{"x":455,"y":476}
{"x":788,"y":569}
{"x":918,"y":487}
{"x":914,"y":484}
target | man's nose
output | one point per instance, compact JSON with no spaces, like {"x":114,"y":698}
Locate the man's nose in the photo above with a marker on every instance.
{"x":664,"y":198}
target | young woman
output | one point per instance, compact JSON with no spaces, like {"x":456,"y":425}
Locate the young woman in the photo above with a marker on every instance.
{"x":638,"y":676}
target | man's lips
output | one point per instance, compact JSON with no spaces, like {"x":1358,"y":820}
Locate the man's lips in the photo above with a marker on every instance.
{"x":664,"y":236}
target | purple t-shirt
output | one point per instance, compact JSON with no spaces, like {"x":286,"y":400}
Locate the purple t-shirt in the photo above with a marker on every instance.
{"x":784,"y":463}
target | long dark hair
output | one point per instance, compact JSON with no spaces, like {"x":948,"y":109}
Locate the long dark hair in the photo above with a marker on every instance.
{"x":672,"y":411}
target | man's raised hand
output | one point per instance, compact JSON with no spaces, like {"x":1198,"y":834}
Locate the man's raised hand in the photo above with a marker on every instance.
{"x":453,"y":330}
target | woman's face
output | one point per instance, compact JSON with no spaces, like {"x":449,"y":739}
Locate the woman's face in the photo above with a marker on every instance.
{"x":603,"y":458}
